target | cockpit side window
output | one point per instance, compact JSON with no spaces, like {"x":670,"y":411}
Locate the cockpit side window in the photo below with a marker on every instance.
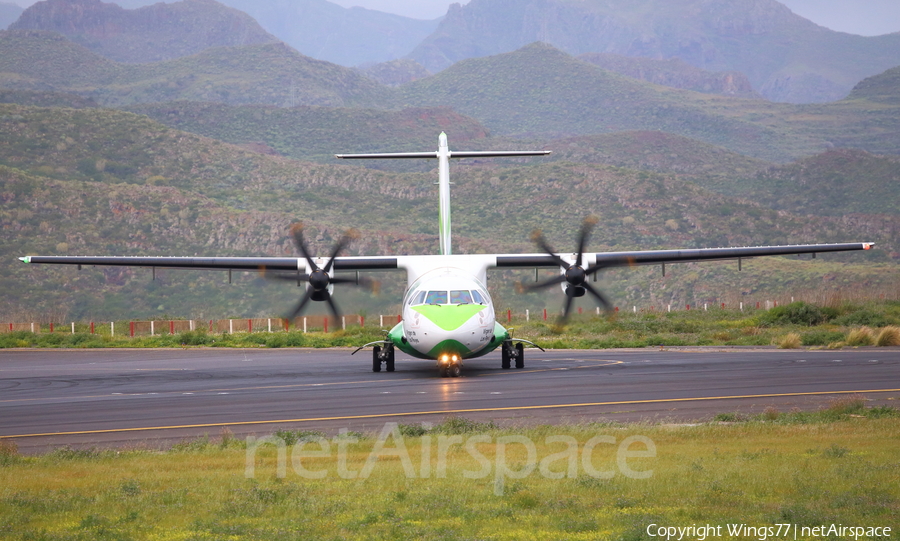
{"x":477,"y":296}
{"x":460,"y":296}
{"x":436,"y":297}
{"x":418,"y":298}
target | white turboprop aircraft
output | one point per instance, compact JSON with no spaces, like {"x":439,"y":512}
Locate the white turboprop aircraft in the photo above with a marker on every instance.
{"x":447,"y":314}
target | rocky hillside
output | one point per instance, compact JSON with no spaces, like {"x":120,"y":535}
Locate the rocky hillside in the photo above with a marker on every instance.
{"x":786,"y":58}
{"x":676,"y":73}
{"x":271,"y":73}
{"x":148,"y":34}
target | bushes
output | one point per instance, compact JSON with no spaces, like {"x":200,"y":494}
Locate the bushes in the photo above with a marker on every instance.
{"x":796,"y":313}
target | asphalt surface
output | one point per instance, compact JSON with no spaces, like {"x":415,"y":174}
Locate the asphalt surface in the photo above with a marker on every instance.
{"x":50,"y":398}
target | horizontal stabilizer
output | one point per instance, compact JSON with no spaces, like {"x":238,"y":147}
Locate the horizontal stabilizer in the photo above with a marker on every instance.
{"x":472,"y":154}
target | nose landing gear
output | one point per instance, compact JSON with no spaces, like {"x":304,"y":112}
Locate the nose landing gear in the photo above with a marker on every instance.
{"x":449,"y":366}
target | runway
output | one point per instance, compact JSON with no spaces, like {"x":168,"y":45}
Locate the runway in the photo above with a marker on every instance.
{"x":150,"y":397}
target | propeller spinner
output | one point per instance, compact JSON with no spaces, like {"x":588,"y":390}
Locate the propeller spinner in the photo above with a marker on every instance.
{"x":575,"y":276}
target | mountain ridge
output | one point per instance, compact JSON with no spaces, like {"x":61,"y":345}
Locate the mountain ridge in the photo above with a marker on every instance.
{"x":787,"y":58}
{"x":148,"y":34}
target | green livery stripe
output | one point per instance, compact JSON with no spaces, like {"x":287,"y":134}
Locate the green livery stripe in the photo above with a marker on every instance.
{"x":449,"y":347}
{"x":449,"y":316}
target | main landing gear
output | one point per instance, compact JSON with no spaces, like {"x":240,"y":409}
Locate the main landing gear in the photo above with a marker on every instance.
{"x":383,"y":354}
{"x":510,"y":352}
{"x":513,"y":351}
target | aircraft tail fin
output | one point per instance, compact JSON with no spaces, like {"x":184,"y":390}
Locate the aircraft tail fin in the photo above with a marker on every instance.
{"x":443,"y":156}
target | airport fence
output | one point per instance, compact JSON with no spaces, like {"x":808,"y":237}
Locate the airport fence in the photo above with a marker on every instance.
{"x":319,"y":323}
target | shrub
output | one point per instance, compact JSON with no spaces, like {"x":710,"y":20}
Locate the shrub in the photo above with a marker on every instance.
{"x":789,"y":341}
{"x":796,"y":313}
{"x":863,"y":317}
{"x":863,"y":336}
{"x":820,"y":337}
{"x":888,"y":336}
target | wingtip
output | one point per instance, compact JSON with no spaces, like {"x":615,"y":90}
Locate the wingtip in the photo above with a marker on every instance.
{"x":25,"y":259}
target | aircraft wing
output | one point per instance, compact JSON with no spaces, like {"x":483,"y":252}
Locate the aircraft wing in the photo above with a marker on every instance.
{"x":656,"y":257}
{"x":216,"y":263}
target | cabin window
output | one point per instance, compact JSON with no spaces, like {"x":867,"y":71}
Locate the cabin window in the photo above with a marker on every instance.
{"x":477,"y":296}
{"x":436,"y":297}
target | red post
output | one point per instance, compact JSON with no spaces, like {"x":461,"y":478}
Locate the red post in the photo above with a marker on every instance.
{"x":210,"y":325}
{"x":776,"y":306}
{"x":399,"y":318}
{"x":757,"y":305}
{"x":51,"y":326}
{"x":171,"y":327}
{"x":10,"y":327}
{"x":92,"y":327}
{"x":131,"y":325}
{"x":508,"y":316}
{"x":689,"y":307}
{"x":362,"y":321}
{"x":579,"y":310}
{"x":287,"y":324}
{"x":723,"y":306}
{"x":249,"y":325}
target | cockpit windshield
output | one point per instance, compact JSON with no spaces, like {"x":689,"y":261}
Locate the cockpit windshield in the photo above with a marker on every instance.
{"x":454,"y":296}
{"x":436,"y":297}
{"x":460,"y":296}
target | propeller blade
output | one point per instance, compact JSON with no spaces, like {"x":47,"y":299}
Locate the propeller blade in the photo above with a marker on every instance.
{"x":607,"y":306}
{"x":583,"y":236}
{"x":345,"y":240}
{"x":538,"y":238}
{"x":334,"y":309}
{"x":568,"y":307}
{"x":299,"y":308}
{"x":297,"y":233}
{"x":545,"y":284}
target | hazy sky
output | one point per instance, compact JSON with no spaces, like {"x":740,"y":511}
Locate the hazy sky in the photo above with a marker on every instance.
{"x":864,"y":17}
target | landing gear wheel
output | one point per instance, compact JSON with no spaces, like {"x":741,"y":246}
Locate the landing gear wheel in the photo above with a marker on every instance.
{"x":376,"y":359}
{"x":504,"y":357}
{"x":520,"y":355}
{"x":443,"y":371}
{"x":389,"y":361}
{"x":454,"y":371}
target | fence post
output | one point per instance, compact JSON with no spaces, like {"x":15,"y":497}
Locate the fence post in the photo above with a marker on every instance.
{"x":73,"y":327}
{"x":171,"y":327}
{"x":132,"y":328}
{"x":304,"y":324}
{"x":152,"y":328}
{"x":51,"y":327}
{"x":343,"y":323}
{"x":112,"y":328}
{"x":545,"y":314}
{"x":326,"y":324}
{"x":527,"y":316}
{"x":509,"y":316}
{"x":250,"y":325}
{"x":399,"y":318}
{"x":269,"y":323}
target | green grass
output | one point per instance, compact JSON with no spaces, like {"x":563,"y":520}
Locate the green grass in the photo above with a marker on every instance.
{"x":830,"y":466}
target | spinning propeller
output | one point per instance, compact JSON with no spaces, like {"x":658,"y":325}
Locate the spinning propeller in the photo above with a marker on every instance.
{"x":575,"y":276}
{"x":320,"y":279}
